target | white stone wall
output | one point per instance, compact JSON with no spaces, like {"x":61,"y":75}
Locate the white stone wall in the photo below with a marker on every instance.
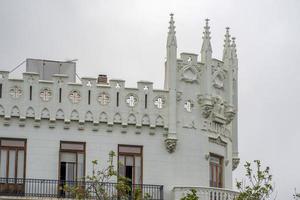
{"x":186,"y":167}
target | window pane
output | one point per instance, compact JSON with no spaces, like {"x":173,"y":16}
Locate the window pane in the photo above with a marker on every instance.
{"x":12,"y":164}
{"x":3,"y":161}
{"x":20,"y":170}
{"x":129,"y":161}
{"x":128,"y":149}
{"x":215,"y":160}
{"x":70,"y":173}
{"x":72,"y":146}
{"x":12,"y":143}
{"x":121,"y":166}
{"x":138,"y":170}
{"x":68,"y":157}
{"x":80,"y":168}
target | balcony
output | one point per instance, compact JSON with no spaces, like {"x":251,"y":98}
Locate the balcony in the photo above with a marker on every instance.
{"x":206,"y":193}
{"x":45,"y":188}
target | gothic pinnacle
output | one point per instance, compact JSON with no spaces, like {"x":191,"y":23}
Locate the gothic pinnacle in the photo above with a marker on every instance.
{"x":206,"y":49}
{"x":233,"y":47}
{"x":172,"y":32}
{"x":226,"y":51}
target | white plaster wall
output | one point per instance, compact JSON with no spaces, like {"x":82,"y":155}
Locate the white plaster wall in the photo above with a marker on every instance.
{"x":187,"y":166}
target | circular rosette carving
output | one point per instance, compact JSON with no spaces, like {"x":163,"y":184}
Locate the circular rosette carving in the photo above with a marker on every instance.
{"x":103,"y":98}
{"x":131,"y":100}
{"x":159,"y":102}
{"x":74,"y":96}
{"x":45,"y":94}
{"x":218,"y":79}
{"x":15,"y":92}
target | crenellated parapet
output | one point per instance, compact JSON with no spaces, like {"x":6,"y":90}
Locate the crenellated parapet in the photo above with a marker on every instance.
{"x":85,"y":102}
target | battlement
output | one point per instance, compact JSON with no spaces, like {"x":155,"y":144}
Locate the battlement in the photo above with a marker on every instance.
{"x":88,"y":101}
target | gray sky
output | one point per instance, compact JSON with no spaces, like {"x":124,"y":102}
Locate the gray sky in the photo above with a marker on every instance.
{"x":116,"y":37}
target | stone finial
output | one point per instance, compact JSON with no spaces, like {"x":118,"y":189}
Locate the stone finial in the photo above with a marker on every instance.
{"x":206,"y":49}
{"x":226,"y":51}
{"x":172,"y":32}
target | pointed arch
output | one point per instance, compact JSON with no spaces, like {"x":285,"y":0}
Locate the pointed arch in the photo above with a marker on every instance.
{"x":15,"y":112}
{"x":60,"y":114}
{"x":2,"y":111}
{"x":45,"y":114}
{"x":103,"y":117}
{"x":74,"y":115}
{"x":131,"y":119}
{"x":145,"y":120}
{"x":89,"y":116}
{"x":117,"y":118}
{"x":30,"y":112}
{"x":159,"y":121}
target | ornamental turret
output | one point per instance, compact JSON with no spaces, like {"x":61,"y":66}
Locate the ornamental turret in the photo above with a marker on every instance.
{"x":205,"y":99}
{"x":170,"y":85}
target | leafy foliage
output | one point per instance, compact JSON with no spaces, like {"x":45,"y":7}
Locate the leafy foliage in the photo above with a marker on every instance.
{"x":97,"y":184}
{"x":259,"y":185}
{"x":191,"y":195}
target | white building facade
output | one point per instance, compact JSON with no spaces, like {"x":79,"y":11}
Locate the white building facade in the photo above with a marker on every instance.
{"x":181,"y":137}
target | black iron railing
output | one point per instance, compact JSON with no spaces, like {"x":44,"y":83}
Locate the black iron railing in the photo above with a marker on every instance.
{"x":56,"y":188}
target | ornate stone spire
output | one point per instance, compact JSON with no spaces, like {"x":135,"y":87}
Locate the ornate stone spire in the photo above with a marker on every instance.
{"x":170,"y":84}
{"x":206,"y":50}
{"x":227,"y":45}
{"x":172,"y":32}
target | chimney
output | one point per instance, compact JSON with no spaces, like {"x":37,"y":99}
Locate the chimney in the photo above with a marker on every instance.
{"x":102,"y":79}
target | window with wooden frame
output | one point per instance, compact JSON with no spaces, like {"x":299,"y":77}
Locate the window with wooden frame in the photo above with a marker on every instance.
{"x":216,"y":171}
{"x":12,"y":158}
{"x":71,"y":161}
{"x":131,"y":163}
{"x":12,"y":165}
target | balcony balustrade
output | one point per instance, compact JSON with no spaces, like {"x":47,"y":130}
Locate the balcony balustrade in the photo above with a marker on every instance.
{"x":46,"y":188}
{"x":206,"y":193}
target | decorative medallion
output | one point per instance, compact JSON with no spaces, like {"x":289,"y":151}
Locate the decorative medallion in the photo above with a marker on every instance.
{"x":74,"y":96}
{"x":45,"y":94}
{"x":103,"y":98}
{"x":188,"y":105}
{"x":131,"y":100}
{"x":15,"y":92}
{"x":159,"y":102}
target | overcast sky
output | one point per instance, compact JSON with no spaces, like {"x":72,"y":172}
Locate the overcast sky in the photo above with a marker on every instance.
{"x":126,"y":39}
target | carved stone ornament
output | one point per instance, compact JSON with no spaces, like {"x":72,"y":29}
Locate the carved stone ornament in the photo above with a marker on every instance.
{"x":74,"y":96}
{"x":131,"y":100}
{"x":103,"y":98}
{"x":229,"y":113}
{"x":170,"y":144}
{"x":159,"y":102}
{"x":45,"y":94}
{"x":189,"y":74}
{"x":206,"y":105}
{"x":218,"y":79}
{"x":218,"y":141}
{"x":218,"y":114}
{"x":235,"y":163}
{"x":15,"y":92}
